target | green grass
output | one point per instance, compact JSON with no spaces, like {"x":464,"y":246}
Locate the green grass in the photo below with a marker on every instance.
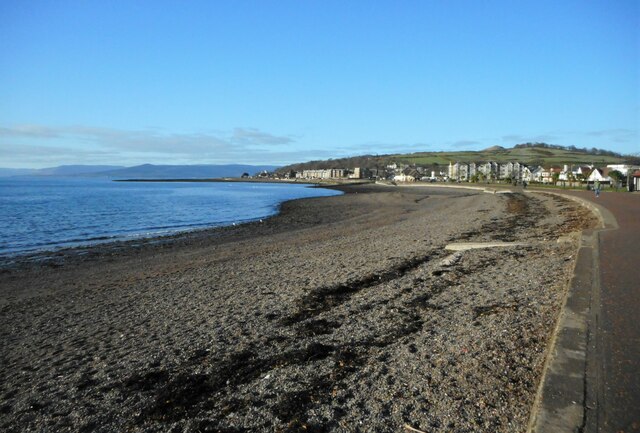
{"x":530,"y":156}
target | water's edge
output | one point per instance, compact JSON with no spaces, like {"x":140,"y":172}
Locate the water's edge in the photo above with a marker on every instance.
{"x":120,"y":241}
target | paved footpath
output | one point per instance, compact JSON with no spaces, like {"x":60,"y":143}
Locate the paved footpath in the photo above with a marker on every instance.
{"x":614,"y":378}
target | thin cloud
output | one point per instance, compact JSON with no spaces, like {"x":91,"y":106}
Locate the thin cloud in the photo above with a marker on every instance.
{"x":620,"y":135}
{"x":581,"y":138}
{"x":254,"y":136}
{"x":541,"y":138}
{"x":606,"y":132}
{"x":289,"y":157}
{"x":379,"y":148}
{"x":30,"y":150}
{"x":233,"y":145}
{"x":465,"y":143}
{"x":513,"y":138}
{"x":28,"y":155}
{"x":29,"y":131}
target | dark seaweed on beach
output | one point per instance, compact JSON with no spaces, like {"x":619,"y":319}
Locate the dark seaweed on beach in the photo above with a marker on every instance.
{"x":339,"y":314}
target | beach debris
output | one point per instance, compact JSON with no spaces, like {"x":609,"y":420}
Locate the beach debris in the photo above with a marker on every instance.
{"x":462,"y":246}
{"x":408,"y":427}
{"x":486,"y":310}
{"x":451,"y":260}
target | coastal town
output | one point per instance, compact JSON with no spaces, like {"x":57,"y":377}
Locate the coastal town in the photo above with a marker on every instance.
{"x":609,"y":176}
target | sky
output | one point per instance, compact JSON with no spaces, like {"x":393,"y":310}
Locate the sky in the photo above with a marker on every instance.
{"x":278,"y":82}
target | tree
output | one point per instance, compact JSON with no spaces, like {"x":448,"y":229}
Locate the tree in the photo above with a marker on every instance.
{"x":618,"y":177}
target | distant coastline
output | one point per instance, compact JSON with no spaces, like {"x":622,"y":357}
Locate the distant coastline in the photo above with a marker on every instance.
{"x":323,"y":182}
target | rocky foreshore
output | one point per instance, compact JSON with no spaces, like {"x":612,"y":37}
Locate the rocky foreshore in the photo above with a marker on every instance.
{"x":339,"y":314}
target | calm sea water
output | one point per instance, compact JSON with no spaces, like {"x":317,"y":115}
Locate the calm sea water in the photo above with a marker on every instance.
{"x":47,"y":214}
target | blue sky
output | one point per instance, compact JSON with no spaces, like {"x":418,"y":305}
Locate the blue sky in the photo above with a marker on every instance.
{"x":110,"y":82}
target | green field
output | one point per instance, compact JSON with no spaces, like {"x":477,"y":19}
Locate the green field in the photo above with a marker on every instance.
{"x":530,"y":156}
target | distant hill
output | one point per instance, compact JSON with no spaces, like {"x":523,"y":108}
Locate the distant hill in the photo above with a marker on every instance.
{"x":76,"y":170}
{"x":62,"y":170}
{"x":493,"y":149}
{"x":530,"y":154}
{"x":146,"y":171}
{"x":150,"y":171}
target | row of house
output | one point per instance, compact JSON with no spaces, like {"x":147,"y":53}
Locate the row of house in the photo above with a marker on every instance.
{"x":333,"y":173}
{"x":516,"y":171}
{"x":475,"y":172}
{"x":466,"y":171}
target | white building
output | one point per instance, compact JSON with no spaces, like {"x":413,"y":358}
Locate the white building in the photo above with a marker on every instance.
{"x":527,"y":174}
{"x":402,"y":177}
{"x":328,"y":173}
{"x":490,"y":169}
{"x":635,"y":180}
{"x":565,"y":174}
{"x":625,"y":169}
{"x":511,"y":170}
{"x":357,"y":173}
{"x":462,"y":171}
{"x":539,"y":173}
{"x":407,"y":175}
{"x":599,"y":174}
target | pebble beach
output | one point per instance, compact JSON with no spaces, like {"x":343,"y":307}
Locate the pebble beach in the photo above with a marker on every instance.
{"x":340,"y":314}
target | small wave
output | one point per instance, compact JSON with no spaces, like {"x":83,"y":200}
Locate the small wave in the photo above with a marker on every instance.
{"x":94,"y":214}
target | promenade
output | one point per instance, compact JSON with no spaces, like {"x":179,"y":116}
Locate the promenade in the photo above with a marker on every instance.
{"x":602,"y":323}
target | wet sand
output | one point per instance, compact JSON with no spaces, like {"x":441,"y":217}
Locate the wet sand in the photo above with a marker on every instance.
{"x":340,"y":314}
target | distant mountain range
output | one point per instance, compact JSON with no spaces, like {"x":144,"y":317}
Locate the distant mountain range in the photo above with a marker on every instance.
{"x":145,"y":171}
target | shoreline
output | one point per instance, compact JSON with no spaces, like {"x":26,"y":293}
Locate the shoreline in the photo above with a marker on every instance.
{"x":339,"y":312}
{"x":55,"y":256}
{"x":313,"y":182}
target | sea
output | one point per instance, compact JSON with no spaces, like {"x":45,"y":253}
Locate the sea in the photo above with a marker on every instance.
{"x":47,"y":214}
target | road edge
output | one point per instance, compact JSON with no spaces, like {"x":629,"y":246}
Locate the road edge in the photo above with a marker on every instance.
{"x":570,"y":387}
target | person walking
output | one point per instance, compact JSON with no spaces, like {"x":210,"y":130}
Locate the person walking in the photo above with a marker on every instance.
{"x":596,"y":188}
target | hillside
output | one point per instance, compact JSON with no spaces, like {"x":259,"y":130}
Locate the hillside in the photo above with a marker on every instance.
{"x":529,"y":156}
{"x":539,"y":154}
{"x":76,"y":170}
